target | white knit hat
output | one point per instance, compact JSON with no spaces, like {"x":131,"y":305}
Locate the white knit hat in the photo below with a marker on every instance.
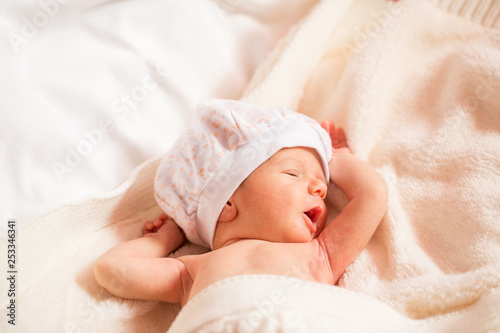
{"x":229,"y":140}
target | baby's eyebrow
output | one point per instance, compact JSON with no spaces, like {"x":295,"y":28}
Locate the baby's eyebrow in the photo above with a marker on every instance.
{"x":283,"y":160}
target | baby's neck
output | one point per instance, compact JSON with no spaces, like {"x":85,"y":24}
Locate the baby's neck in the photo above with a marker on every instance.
{"x":218,"y":244}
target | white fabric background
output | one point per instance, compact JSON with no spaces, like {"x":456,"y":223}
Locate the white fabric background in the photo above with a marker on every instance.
{"x":91,"y":89}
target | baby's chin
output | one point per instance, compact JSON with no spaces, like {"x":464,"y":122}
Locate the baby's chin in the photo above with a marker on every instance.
{"x":307,"y":237}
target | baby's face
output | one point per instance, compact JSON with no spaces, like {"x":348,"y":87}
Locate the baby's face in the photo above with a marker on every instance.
{"x":285,"y":196}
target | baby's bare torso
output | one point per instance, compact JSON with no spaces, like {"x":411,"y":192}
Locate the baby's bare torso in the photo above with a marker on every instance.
{"x":306,"y":261}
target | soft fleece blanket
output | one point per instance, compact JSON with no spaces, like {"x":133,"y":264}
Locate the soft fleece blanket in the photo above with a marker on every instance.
{"x":418,"y":100}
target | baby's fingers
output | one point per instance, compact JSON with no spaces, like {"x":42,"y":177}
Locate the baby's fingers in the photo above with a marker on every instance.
{"x":154,"y":225}
{"x":339,"y":139}
{"x":157,"y":223}
{"x":335,"y":134}
{"x":148,"y":227}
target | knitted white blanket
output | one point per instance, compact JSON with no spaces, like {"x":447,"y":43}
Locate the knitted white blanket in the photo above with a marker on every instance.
{"x":419,"y":100}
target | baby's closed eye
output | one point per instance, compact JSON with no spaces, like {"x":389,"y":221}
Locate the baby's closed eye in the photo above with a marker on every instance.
{"x":292,"y":172}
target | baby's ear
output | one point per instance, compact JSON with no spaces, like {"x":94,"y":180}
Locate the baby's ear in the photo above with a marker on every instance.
{"x":229,"y":212}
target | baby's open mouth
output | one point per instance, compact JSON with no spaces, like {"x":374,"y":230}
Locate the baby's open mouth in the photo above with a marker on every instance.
{"x":314,"y":214}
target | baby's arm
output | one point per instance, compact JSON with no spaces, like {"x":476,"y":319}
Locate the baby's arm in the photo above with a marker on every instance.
{"x":347,"y":235}
{"x":137,"y":269}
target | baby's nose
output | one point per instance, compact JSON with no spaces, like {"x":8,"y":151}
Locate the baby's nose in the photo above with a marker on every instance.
{"x":317,"y":187}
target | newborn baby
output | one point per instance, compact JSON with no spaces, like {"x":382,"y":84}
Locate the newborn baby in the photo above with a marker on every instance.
{"x":250,"y":184}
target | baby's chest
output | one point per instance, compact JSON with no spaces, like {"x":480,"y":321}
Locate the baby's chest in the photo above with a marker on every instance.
{"x":299,"y":261}
{"x":302,"y":261}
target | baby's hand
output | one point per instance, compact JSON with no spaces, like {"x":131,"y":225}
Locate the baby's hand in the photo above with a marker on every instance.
{"x":337,"y":135}
{"x":155,"y":225}
{"x":165,"y":228}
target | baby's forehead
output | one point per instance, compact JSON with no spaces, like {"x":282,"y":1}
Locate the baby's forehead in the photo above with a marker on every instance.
{"x":287,"y":154}
{"x":300,"y":154}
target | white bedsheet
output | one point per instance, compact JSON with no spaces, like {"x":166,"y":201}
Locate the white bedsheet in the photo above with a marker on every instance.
{"x":90,"y":89}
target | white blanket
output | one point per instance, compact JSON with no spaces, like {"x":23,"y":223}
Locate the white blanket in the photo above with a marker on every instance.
{"x":270,"y":303}
{"x":418,"y":100}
